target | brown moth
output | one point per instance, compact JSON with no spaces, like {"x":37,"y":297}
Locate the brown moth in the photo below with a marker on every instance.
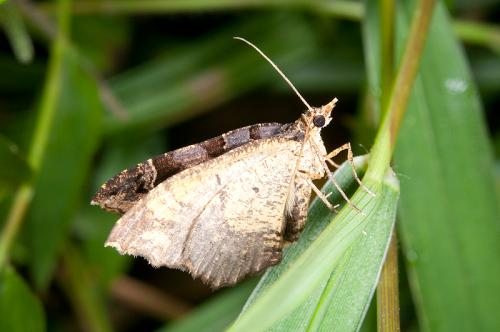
{"x":224,"y":208}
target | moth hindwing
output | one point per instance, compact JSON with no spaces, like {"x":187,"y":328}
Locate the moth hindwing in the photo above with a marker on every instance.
{"x":221,"y":209}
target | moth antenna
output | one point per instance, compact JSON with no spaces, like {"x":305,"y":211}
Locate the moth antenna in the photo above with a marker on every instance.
{"x":290,"y":195}
{"x":277,"y":69}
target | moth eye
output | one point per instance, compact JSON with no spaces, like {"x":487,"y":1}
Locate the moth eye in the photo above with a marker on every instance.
{"x":319,"y":121}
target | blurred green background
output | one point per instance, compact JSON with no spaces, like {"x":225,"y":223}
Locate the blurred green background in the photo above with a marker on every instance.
{"x":121,"y":81}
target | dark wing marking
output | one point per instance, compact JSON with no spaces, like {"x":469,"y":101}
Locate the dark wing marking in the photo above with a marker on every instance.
{"x":123,"y":190}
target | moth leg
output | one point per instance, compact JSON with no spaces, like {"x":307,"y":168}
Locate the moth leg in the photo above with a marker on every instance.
{"x":350,"y":159}
{"x":296,"y":218}
{"x":321,"y":196}
{"x":329,"y":174}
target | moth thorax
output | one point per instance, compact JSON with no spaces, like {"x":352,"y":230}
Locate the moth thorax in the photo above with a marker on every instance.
{"x":311,"y":162}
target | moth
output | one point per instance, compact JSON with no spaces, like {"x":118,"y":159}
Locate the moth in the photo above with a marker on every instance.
{"x":223,"y":209}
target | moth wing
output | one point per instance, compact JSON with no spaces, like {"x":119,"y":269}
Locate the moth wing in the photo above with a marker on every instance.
{"x":220,"y":220}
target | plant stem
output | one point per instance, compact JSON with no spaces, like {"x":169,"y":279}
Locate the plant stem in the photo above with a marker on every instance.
{"x":409,"y":66}
{"x":48,"y":105}
{"x":52,"y":90}
{"x":16,"y":32}
{"x":82,"y":292}
{"x":388,"y":291}
{"x":154,"y":6}
{"x":386,"y":49}
{"x":14,"y":220}
{"x":478,"y":33}
{"x":400,"y":92}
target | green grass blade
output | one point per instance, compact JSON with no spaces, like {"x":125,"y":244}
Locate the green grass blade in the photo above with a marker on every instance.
{"x":352,"y":285}
{"x":40,"y":137}
{"x":20,"y":309}
{"x":13,"y":24}
{"x":67,"y":158}
{"x":315,"y":276}
{"x":449,"y":213}
{"x":448,"y":209}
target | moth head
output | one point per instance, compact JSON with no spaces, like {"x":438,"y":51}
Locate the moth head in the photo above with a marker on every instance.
{"x":319,"y":117}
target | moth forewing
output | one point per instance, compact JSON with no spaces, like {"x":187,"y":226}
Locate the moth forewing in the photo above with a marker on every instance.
{"x":221,"y":220}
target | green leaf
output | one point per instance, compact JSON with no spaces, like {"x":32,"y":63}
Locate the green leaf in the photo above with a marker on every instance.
{"x":317,"y":285}
{"x":67,"y":158}
{"x":449,"y":213}
{"x":448,"y":210}
{"x":215,"y":314}
{"x":12,"y":23}
{"x":14,"y":168}
{"x":20,"y":309}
